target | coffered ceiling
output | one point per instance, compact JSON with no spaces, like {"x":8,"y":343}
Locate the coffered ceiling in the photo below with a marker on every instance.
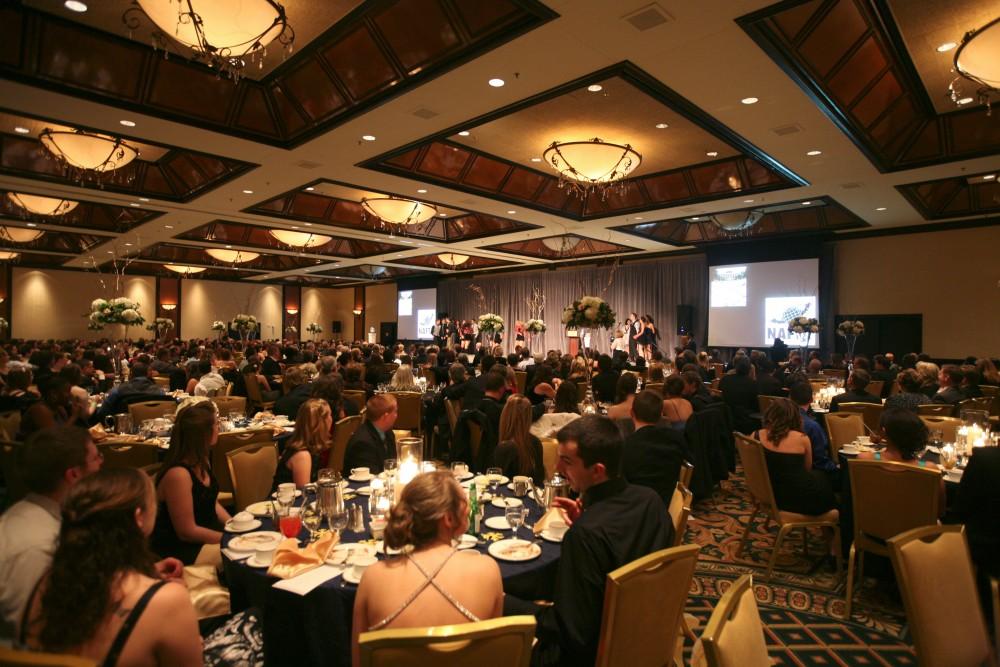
{"x":825,"y":116}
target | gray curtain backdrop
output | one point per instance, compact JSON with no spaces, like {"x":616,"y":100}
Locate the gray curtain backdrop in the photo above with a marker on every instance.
{"x":654,"y":288}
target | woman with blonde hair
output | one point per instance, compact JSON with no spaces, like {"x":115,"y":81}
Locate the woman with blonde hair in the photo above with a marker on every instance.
{"x":578,"y":371}
{"x":402,"y":379}
{"x":928,"y":372}
{"x":299,"y":460}
{"x":518,"y":452}
{"x":427,"y":586}
{"x":102,"y":598}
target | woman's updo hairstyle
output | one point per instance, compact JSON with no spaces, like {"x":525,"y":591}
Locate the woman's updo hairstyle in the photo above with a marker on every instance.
{"x":428,"y":498}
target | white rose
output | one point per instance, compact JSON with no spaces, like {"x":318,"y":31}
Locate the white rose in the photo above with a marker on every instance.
{"x":98,"y":304}
{"x":130,"y":315}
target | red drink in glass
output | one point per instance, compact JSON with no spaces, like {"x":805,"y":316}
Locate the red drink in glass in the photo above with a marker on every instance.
{"x":291,"y":525}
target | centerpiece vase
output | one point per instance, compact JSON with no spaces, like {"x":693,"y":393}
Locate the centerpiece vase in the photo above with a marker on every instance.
{"x":850,"y":340}
{"x":804,"y":351}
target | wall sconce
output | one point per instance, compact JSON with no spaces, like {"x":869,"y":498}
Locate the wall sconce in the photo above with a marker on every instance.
{"x":291,"y":311}
{"x":357,"y":311}
{"x":168,"y":306}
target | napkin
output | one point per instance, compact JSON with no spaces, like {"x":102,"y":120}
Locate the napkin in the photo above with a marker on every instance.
{"x":304,"y":583}
{"x":552,"y":514}
{"x":98,"y":433}
{"x":291,"y":561}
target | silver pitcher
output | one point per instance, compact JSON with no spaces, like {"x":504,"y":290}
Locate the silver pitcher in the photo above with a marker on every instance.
{"x":120,"y":423}
{"x":557,"y":487}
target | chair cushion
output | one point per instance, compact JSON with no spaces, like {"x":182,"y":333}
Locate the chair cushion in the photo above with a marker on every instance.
{"x":793,"y":517}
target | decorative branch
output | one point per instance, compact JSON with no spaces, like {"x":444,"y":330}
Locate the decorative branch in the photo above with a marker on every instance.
{"x":480,"y":296}
{"x":611,"y":276}
{"x":536,"y":303}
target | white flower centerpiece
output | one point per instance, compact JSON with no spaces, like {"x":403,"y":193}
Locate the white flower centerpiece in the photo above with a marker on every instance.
{"x":588,"y":312}
{"x":245,"y":325}
{"x":534,"y":327}
{"x":160,"y":325}
{"x":803,"y":325}
{"x":489,"y":325}
{"x":850,"y":330}
{"x":120,"y":310}
{"x":314,"y":328}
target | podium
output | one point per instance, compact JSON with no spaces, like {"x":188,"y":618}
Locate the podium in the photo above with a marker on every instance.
{"x":574,"y":341}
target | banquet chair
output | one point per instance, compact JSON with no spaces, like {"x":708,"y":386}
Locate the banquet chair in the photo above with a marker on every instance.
{"x":758,"y":481}
{"x":252,"y":468}
{"x":842,"y":428}
{"x":734,"y":634}
{"x":947,"y":425}
{"x":720,"y":370}
{"x":127,"y":456}
{"x":581,"y":391}
{"x":140,"y":412}
{"x":889,"y":498}
{"x":644,"y":609}
{"x":875,"y":387}
{"x":989,"y":390}
{"x":430,"y":376}
{"x":162,"y":381}
{"x":654,"y":386}
{"x":357,"y":396}
{"x":936,"y":409}
{"x":16,"y":487}
{"x":452,"y":407}
{"x":10,"y":657}
{"x":895,"y":389}
{"x":871,"y":414}
{"x":980,"y":403}
{"x":498,"y":642}
{"x":939,"y":614}
{"x":834,"y":372}
{"x":521,"y":377}
{"x":679,"y":510}
{"x":10,"y":424}
{"x":687,"y":472}
{"x":550,"y":456}
{"x":342,"y":432}
{"x":227,"y":404}
{"x":764,"y":402}
{"x":255,"y":399}
{"x":411,"y":409}
{"x":227,"y":442}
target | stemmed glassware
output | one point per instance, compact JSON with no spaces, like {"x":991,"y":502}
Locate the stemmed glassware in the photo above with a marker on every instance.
{"x":493,"y":476}
{"x":515,"y":517}
{"x":312,"y":519}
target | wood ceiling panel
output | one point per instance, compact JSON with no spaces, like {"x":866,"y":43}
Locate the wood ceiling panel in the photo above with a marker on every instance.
{"x":254,"y":114}
{"x":418,"y":31}
{"x":444,"y":161}
{"x":838,"y":31}
{"x":80,"y":58}
{"x":11,"y":29}
{"x":858,"y":72}
{"x":486,"y":173}
{"x":791,"y":22}
{"x":309,"y":206}
{"x":722,"y":177}
{"x":360,"y":63}
{"x":192,"y":92}
{"x":523,"y":184}
{"x":667,"y":187}
{"x":482,"y":17}
{"x":976,"y":132}
{"x":315,"y":92}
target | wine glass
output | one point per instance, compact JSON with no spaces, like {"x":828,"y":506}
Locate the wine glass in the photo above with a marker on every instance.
{"x":949,"y":457}
{"x":493,"y":476}
{"x":312,"y":518}
{"x":389,"y":467}
{"x":515,"y":517}
{"x":459,"y":469}
{"x":338,"y":519}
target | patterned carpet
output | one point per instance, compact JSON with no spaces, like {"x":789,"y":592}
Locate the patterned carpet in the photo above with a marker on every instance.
{"x":803,"y":604}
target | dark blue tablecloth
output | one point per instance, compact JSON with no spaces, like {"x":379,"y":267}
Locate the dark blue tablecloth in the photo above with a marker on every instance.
{"x":315,"y":629}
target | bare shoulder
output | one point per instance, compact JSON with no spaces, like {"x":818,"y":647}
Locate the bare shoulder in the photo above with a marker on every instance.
{"x":176,"y":475}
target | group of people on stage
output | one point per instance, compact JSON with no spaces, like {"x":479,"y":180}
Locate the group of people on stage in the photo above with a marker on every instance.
{"x":639,"y":336}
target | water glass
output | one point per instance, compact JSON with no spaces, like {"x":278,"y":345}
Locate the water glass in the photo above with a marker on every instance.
{"x":389,"y":466}
{"x":338,"y":519}
{"x":459,"y":469}
{"x":312,"y":518}
{"x":515,"y":517}
{"x":493,"y":476}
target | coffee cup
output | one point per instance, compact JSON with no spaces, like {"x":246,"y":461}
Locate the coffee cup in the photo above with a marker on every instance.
{"x":361,"y":473}
{"x":361,"y":563}
{"x":377,"y":527}
{"x":286,"y":489}
{"x":241,"y":520}
{"x":521,"y":487}
{"x":850,"y":448}
{"x":864,"y":440}
{"x":557,"y":528}
{"x":522,"y":478}
{"x":263,"y":556}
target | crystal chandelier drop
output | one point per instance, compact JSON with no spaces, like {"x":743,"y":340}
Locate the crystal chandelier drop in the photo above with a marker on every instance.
{"x":226,"y":35}
{"x":453,"y":259}
{"x":20,"y":234}
{"x":87,"y":156}
{"x":397,"y":213}
{"x":977,"y":62}
{"x":38,"y":205}
{"x":231,"y":256}
{"x":299,"y":239}
{"x":184,"y":269}
{"x":737,"y":223}
{"x":592,"y":166}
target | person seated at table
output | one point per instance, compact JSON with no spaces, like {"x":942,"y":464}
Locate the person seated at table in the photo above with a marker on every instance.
{"x":55,"y":409}
{"x":970,"y":382}
{"x":296,"y":390}
{"x":354,"y":379}
{"x":905,"y":436}
{"x":330,"y":389}
{"x":299,"y":460}
{"x":988,"y":372}
{"x":492,"y":401}
{"x":373,"y":442}
{"x":251,"y":373}
{"x":427,"y":586}
{"x":798,"y":487}
{"x":929,"y":373}
{"x":102,"y":598}
{"x":739,"y":392}
{"x":856,"y":384}
{"x":140,"y":387}
{"x":578,"y":371}
{"x":950,"y":382}
{"x":402,"y":380}
{"x":542,"y":385}
{"x":519,"y":452}
{"x":676,"y":409}
{"x":209,"y":382}
{"x":801,"y":393}
{"x":567,"y":399}
{"x":16,"y":394}
{"x":695,"y":392}
{"x":625,"y":390}
{"x":190,"y":516}
{"x":652,"y":454}
{"x":604,"y":383}
{"x":271,"y":365}
{"x":910,"y":396}
{"x":976,"y":507}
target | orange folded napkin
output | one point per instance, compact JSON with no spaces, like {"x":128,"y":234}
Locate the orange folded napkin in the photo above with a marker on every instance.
{"x":98,"y":433}
{"x":290,"y":560}
{"x":552,"y":514}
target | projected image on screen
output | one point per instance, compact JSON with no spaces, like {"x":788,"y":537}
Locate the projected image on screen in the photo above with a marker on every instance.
{"x":729,"y":286}
{"x":425,"y":321}
{"x":778,"y":310}
{"x":417,"y":310}
{"x":405,"y":303}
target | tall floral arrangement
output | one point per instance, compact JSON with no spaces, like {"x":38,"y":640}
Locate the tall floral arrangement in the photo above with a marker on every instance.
{"x":590,"y":312}
{"x":160,"y":324}
{"x":850,"y":330}
{"x":121,"y":310}
{"x":490,"y":323}
{"x":314,"y":328}
{"x":219,"y":325}
{"x":245,"y":325}
{"x":535,"y":326}
{"x":803,"y":325}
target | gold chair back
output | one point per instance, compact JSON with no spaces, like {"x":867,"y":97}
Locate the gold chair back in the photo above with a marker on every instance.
{"x":227,"y":390}
{"x":162,"y":381}
{"x":128,"y":456}
{"x":940,"y":614}
{"x":734,"y":635}
{"x":936,"y":409}
{"x":834,"y":372}
{"x":895,"y":389}
{"x":581,"y":391}
{"x":871,"y":414}
{"x":758,"y":479}
{"x":14,"y":658}
{"x":679,"y":511}
{"x":521,"y":378}
{"x":947,"y":425}
{"x":875,"y":387}
{"x":227,"y":404}
{"x":498,"y":642}
{"x":16,"y":488}
{"x":643,"y":608}
{"x":252,"y":468}
{"x":228,"y":442}
{"x":764,"y":402}
{"x":10,"y":424}
{"x":357,"y":396}
{"x":140,"y":412}
{"x":452,"y":408}
{"x":980,"y":403}
{"x":687,"y":472}
{"x":842,"y":428}
{"x":475,"y":437}
{"x":989,"y":389}
{"x":655,"y":386}
{"x":719,"y":369}
{"x":255,"y":399}
{"x":430,"y":376}
{"x":550,"y":456}
{"x":342,"y":432}
{"x":411,"y":410}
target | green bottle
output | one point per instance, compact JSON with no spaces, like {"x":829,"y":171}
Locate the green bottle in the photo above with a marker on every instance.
{"x":473,"y":510}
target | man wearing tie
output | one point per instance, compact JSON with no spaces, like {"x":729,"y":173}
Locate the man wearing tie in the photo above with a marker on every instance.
{"x":633,"y":331}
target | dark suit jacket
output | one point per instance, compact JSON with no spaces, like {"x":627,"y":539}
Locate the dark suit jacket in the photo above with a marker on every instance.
{"x":768,"y":385}
{"x":603,"y":386}
{"x":949,"y":396}
{"x":366,"y":449}
{"x":652,"y":457}
{"x":290,"y":403}
{"x":492,"y":409}
{"x":739,"y":392}
{"x":269,"y":367}
{"x":853,"y":397}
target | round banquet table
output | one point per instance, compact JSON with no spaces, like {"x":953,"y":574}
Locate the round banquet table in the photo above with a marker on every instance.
{"x":315,"y":629}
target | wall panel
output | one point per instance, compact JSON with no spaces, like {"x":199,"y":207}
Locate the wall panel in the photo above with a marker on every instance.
{"x":203,"y":301}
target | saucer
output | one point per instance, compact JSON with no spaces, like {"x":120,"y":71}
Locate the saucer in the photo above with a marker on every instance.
{"x":467,"y":475}
{"x":298,"y":493}
{"x":467,"y":542}
{"x":361,"y":478}
{"x":252,"y":541}
{"x":349,"y":576}
{"x":504,"y":503}
{"x":263,"y":508}
{"x":514,"y":550}
{"x":497,"y":523}
{"x":364,"y":491}
{"x":549,"y":537}
{"x":253,"y":525}
{"x":252,"y":562}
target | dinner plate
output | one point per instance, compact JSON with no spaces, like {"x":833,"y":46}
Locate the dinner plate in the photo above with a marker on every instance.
{"x":349,"y":576}
{"x":549,"y":537}
{"x":850,"y":452}
{"x":264,"y":539}
{"x":483,"y":480}
{"x":468,"y":475}
{"x":497,"y":523}
{"x":362,"y":478}
{"x":515,"y":550}
{"x":253,"y":525}
{"x":467,"y":542}
{"x":382,"y":549}
{"x":344,"y":553}
{"x":263,"y":508}
{"x":504,"y":503}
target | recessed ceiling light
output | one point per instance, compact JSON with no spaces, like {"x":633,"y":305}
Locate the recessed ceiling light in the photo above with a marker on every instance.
{"x":294,"y":227}
{"x":422,"y":191}
{"x":128,"y":244}
{"x":248,"y":192}
{"x":662,"y":126}
{"x":21,"y":130}
{"x":75,"y":6}
{"x":143,"y":199}
{"x":712,"y":153}
{"x":310,"y":189}
{"x":536,"y":159}
{"x":696,"y":218}
{"x":947,"y":46}
{"x":229,"y":246}
{"x":964,"y":100}
{"x":814,"y":153}
{"x":134,"y":204}
{"x":464,"y":133}
{"x":368,"y":137}
{"x":511,"y":212}
{"x":880,"y":208}
{"x":496,"y":83}
{"x":806,"y":203}
{"x":308,"y":224}
{"x":111,"y":252}
{"x":595,"y":87}
{"x":989,"y":177}
{"x":747,"y":201}
{"x":638,"y":217}
{"x":168,"y":226}
{"x":127,"y":123}
{"x":749,"y":100}
{"x":442,"y":215}
{"x":31,"y":224}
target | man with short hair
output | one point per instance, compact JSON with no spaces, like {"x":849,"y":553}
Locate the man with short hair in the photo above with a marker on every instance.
{"x":613,"y":524}
{"x":695,"y":392}
{"x":374,"y":441}
{"x":491,"y":404}
{"x":210,"y":382}
{"x":856,"y":393}
{"x":297,"y":390}
{"x":653,"y":454}
{"x":271,"y":366}
{"x":801,"y":393}
{"x":140,"y":387}
{"x":950,"y":382}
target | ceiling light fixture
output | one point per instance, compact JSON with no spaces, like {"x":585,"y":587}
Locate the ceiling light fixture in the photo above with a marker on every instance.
{"x":947,"y":46}
{"x":6,"y":255}
{"x":398,"y":210}
{"x":87,"y":155}
{"x":299,"y":239}
{"x":453,"y":259}
{"x":292,"y":310}
{"x":184,"y":269}
{"x":595,"y":87}
{"x":594,"y":165}
{"x":712,"y":153}
{"x":226,"y":35}
{"x":814,"y":153}
{"x":464,"y":133}
{"x":749,"y":100}
{"x":75,"y":6}
{"x":168,"y":306}
{"x":47,"y":206}
{"x":127,"y":123}
{"x":310,"y":189}
{"x":737,"y":223}
{"x":564,"y":244}
{"x":977,"y":62}
{"x":662,"y":126}
{"x":806,"y":203}
{"x":989,"y":177}
{"x":536,"y":159}
{"x":880,"y":208}
{"x":512,"y":212}
{"x":21,"y":130}
{"x":421,"y":191}
{"x":496,"y":83}
{"x":356,"y":311}
{"x":248,"y":192}
{"x":368,"y":137}
{"x":20,"y":235}
{"x":231,"y":256}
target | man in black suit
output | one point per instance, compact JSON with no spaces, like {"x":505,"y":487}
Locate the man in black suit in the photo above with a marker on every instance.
{"x":739,"y":392}
{"x":695,"y":392}
{"x":950,"y":382}
{"x":297,"y":392}
{"x":476,"y":387}
{"x":653,"y":454}
{"x":606,"y":380}
{"x":855,"y":393}
{"x":374,"y":441}
{"x":767,"y":383}
{"x":633,"y":331}
{"x":271,"y":368}
{"x":491,"y":404}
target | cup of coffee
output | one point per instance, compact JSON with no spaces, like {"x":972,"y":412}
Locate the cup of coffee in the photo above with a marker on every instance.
{"x":850,"y":448}
{"x":361,"y":563}
{"x":377,"y":527}
{"x":286,"y":489}
{"x":241,"y":521}
{"x":263,"y":556}
{"x":557,"y":528}
{"x":521,"y":486}
{"x":361,"y":473}
{"x":864,"y":440}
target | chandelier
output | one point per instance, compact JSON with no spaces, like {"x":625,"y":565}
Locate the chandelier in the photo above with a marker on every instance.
{"x":47,"y":206}
{"x":184,"y":269}
{"x":232,"y":256}
{"x":977,"y":61}
{"x":20,"y":234}
{"x":594,"y":165}
{"x":299,"y":239}
{"x":7,"y":255}
{"x":453,"y":259}
{"x":87,"y":155}
{"x":564,"y":245}
{"x":737,"y":223}
{"x":398,"y":211}
{"x":226,"y":35}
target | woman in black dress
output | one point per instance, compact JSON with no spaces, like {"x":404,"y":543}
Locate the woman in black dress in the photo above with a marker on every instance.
{"x":519,"y":452}
{"x":300,"y":459}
